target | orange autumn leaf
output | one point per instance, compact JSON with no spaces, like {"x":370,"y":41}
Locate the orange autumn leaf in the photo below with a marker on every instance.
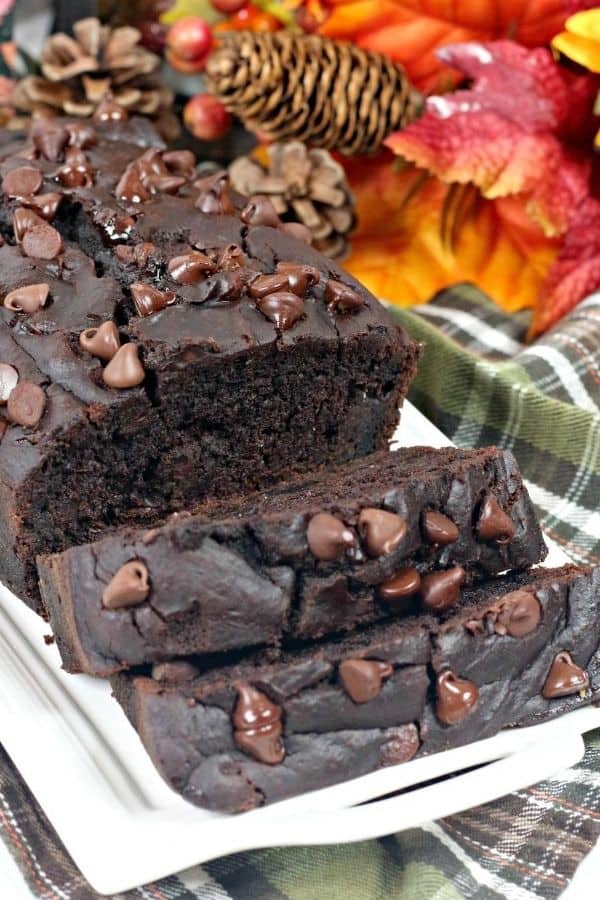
{"x":410,"y":31}
{"x":404,"y":253}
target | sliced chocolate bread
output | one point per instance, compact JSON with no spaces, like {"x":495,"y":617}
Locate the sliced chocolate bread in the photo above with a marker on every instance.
{"x":519,"y":649}
{"x":391,"y":534}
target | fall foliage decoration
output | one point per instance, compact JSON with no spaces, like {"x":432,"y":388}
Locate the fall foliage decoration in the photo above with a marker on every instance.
{"x":326,"y":93}
{"x":580,"y":42}
{"x":306,"y":186}
{"x":80,"y":72}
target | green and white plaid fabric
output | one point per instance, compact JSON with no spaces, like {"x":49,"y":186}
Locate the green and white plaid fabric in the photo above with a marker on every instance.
{"x":480,"y":384}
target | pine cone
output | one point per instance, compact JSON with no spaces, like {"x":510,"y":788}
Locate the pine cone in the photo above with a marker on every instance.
{"x":80,"y":73}
{"x":306,"y":186}
{"x":323,"y":92}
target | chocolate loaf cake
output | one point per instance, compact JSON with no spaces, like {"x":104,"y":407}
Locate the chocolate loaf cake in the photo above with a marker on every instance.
{"x":519,"y":649}
{"x":313,"y":557}
{"x":162,"y":341}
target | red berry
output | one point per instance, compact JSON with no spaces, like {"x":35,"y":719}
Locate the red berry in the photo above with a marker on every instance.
{"x":206,"y":117}
{"x":227,"y":6}
{"x":190,"y":39}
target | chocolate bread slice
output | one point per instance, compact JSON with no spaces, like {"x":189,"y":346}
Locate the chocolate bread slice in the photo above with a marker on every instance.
{"x":203,"y":354}
{"x":520,"y":649}
{"x":391,"y":534}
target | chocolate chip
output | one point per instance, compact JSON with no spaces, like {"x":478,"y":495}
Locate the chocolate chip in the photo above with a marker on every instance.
{"x":214,"y":198}
{"x":129,"y":586}
{"x":9,"y":378}
{"x":260,"y":211}
{"x":29,"y":299}
{"x":438,"y":529}
{"x":564,"y":678}
{"x":46,"y":205}
{"x":26,"y":404}
{"x":328,"y":537}
{"x":190,"y":268}
{"x":49,"y":138}
{"x":268,"y":284}
{"x":108,"y":110}
{"x":130,"y":186}
{"x":520,"y":613}
{"x":299,"y":277}
{"x":381,"y":530}
{"x":102,"y":341}
{"x":22,"y":182}
{"x":76,"y":172}
{"x":456,"y":698}
{"x":362,"y":678}
{"x":404,"y":583}
{"x":257,"y":725}
{"x":342,"y":298}
{"x":81,"y":134}
{"x":441,"y":590}
{"x":232,"y":257}
{"x":401,"y":744}
{"x":23,"y":221}
{"x":493,"y":523}
{"x":42,"y":242}
{"x":177,"y":672}
{"x":297,"y":230}
{"x":282,"y":308}
{"x":125,"y":369}
{"x":149,"y":300}
{"x":180,"y":162}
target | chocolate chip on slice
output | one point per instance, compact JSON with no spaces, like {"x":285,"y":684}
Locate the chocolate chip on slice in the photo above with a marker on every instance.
{"x":438,"y":529}
{"x":493,"y":524}
{"x":9,"y":378}
{"x":300,"y":277}
{"x":268,"y":284}
{"x":22,"y":182}
{"x":342,"y":298}
{"x":130,"y":186}
{"x":28,"y":299}
{"x":190,"y":268}
{"x":400,"y":745}
{"x":565,"y":678}
{"x":260,"y":211}
{"x":108,"y":110}
{"x":42,"y":242}
{"x":257,"y":725}
{"x":456,"y":697}
{"x":382,"y":531}
{"x":76,"y":171}
{"x":26,"y":404}
{"x":23,"y":220}
{"x":441,"y":590}
{"x":282,"y":308}
{"x":46,"y":205}
{"x":102,"y":341}
{"x":129,"y":586}
{"x":49,"y":138}
{"x":149,"y":300}
{"x":177,"y":672}
{"x":403,"y":584}
{"x":81,"y":134}
{"x":520,"y":613}
{"x":232,"y":257}
{"x":297,"y":230}
{"x":328,"y":537}
{"x":125,"y":369}
{"x":180,"y":162}
{"x":362,"y":678}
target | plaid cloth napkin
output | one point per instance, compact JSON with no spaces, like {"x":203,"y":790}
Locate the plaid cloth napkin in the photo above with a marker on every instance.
{"x":481,"y":385}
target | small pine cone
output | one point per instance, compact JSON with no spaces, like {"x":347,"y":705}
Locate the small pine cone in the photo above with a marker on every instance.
{"x":79,"y":73}
{"x":310,"y":88}
{"x":306,"y":186}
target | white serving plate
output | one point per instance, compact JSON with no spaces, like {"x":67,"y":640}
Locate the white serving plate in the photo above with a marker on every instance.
{"x":124,"y":827}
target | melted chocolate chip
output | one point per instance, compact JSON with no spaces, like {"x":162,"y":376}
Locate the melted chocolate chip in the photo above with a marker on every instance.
{"x":23,"y":221}
{"x":149,"y":300}
{"x":257,"y":725}
{"x":129,"y":586}
{"x":46,"y":205}
{"x":125,"y":369}
{"x":565,"y":678}
{"x":190,"y":268}
{"x":108,"y":110}
{"x":328,"y":537}
{"x":49,"y":138}
{"x":493,"y":523}
{"x":9,"y":378}
{"x":260,"y":211}
{"x":282,"y":308}
{"x":180,"y":162}
{"x":441,"y":590}
{"x":76,"y":171}
{"x":130,"y":186}
{"x":438,"y":529}
{"x":214,"y":198}
{"x":403,"y":584}
{"x":520,"y":613}
{"x":299,"y":277}
{"x":102,"y":342}
{"x":342,"y":298}
{"x":42,"y":242}
{"x":81,"y":134}
{"x":382,"y":531}
{"x":456,"y":698}
{"x":232,"y":257}
{"x":401,"y":744}
{"x":26,"y":404}
{"x":177,"y":672}
{"x":22,"y":182}
{"x":28,"y":299}
{"x":362,"y":678}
